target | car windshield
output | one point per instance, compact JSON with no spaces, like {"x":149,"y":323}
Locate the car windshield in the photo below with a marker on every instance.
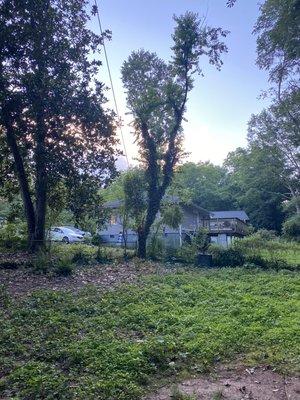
{"x":71,"y":228}
{"x":68,"y":230}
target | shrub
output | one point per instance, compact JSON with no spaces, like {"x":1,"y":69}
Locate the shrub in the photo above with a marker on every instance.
{"x":170,"y":254}
{"x":230,"y":257}
{"x":4,"y":297}
{"x":265,"y":234}
{"x":42,"y":262}
{"x":13,"y":235}
{"x":155,"y":248}
{"x":291,"y":228}
{"x":64,"y":267}
{"x":82,"y":255}
{"x":96,"y":240}
{"x":256,"y":260}
{"x":201,"y":240}
{"x":103,"y":255}
{"x":186,"y":254}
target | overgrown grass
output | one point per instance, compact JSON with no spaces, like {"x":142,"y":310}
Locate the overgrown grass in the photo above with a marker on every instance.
{"x":91,"y":346}
{"x":276,"y":249}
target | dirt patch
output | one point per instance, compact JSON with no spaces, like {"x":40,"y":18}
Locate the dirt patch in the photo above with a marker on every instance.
{"x":21,"y":282}
{"x":236,"y":383}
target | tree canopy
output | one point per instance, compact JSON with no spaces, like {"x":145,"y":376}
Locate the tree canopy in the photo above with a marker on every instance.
{"x":53,"y":123}
{"x":157,"y":94}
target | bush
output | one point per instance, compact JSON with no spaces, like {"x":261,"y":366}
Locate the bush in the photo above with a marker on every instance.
{"x":13,"y":235}
{"x":170,"y":254}
{"x":186,"y":254}
{"x":4,"y":297}
{"x":42,"y":262}
{"x":291,"y":228}
{"x":83,"y":255}
{"x":201,"y":241}
{"x":64,"y":267}
{"x":96,"y":240}
{"x":222,"y":257}
{"x":103,"y":255}
{"x":265,"y":234}
{"x":155,"y":248}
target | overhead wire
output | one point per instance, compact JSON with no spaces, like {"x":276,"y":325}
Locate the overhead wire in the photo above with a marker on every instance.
{"x":111,"y":82}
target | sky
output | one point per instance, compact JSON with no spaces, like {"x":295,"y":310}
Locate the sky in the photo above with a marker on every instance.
{"x":221,"y":102}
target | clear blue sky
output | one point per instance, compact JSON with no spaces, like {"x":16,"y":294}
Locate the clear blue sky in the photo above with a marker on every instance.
{"x":221,"y":102}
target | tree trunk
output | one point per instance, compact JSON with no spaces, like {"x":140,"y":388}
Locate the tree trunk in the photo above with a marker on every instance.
{"x":143,"y":233}
{"x":142,"y":242}
{"x":41,"y":179}
{"x":23,"y":182}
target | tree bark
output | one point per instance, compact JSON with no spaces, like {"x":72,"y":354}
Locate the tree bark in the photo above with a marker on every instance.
{"x":21,"y":175}
{"x":41,"y":197}
{"x":142,"y":244}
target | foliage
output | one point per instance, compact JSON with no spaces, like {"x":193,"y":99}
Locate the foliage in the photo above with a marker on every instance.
{"x":43,"y":262}
{"x":203,"y":184}
{"x":177,"y":394}
{"x":134,"y":187}
{"x":112,"y":346}
{"x":155,"y":248}
{"x":273,"y":130}
{"x":201,"y":240}
{"x":277,"y":30}
{"x":223,"y":257}
{"x":186,"y":254}
{"x":157,"y":95}
{"x":64,"y":267}
{"x":255,"y":179}
{"x":86,"y":202}
{"x":291,"y":228}
{"x":171,"y":215}
{"x":83,"y":254}
{"x":268,"y":249}
{"x":53,"y":124}
{"x":13,"y":235}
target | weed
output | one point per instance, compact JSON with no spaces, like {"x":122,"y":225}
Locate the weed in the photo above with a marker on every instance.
{"x":177,"y":394}
{"x":64,"y":267}
{"x":88,"y":346}
{"x":217,"y":396}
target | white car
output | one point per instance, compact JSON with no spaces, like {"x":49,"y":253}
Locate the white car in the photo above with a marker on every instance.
{"x":79,"y":231}
{"x":66,"y":235}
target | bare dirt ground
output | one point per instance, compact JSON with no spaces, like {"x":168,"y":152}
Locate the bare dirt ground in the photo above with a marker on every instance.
{"x":22,"y":281}
{"x":233,"y":383}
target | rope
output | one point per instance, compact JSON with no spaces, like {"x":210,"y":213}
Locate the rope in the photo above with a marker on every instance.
{"x":111,"y":83}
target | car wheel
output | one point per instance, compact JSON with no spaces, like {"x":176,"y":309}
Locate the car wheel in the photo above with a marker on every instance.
{"x":65,"y":239}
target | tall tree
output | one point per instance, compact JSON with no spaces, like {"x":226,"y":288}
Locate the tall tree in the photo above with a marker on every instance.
{"x":204,"y":184}
{"x":157,"y":94}
{"x":277,"y":128}
{"x":255,"y":180}
{"x":51,"y":105}
{"x":274,"y":131}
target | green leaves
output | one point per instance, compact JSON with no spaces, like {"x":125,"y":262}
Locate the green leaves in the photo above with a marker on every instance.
{"x":86,"y":345}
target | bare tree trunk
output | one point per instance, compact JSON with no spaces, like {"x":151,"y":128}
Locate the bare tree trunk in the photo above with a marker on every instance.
{"x":142,"y":244}
{"x":23,"y":182}
{"x":41,"y":196}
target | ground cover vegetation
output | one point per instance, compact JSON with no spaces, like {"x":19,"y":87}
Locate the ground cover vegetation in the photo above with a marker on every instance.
{"x":112,"y":346}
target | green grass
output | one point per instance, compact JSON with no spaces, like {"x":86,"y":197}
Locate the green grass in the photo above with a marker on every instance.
{"x":270,"y":249}
{"x":91,"y":346}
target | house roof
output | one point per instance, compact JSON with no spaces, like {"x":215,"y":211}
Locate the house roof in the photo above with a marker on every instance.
{"x":240,"y":214}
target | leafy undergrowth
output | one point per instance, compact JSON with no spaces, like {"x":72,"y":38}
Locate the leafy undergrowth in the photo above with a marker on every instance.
{"x":87,"y":346}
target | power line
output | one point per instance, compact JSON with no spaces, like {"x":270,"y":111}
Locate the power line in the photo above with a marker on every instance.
{"x":111,"y":83}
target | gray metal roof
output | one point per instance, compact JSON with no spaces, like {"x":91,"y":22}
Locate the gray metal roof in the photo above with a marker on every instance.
{"x":240,"y":214}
